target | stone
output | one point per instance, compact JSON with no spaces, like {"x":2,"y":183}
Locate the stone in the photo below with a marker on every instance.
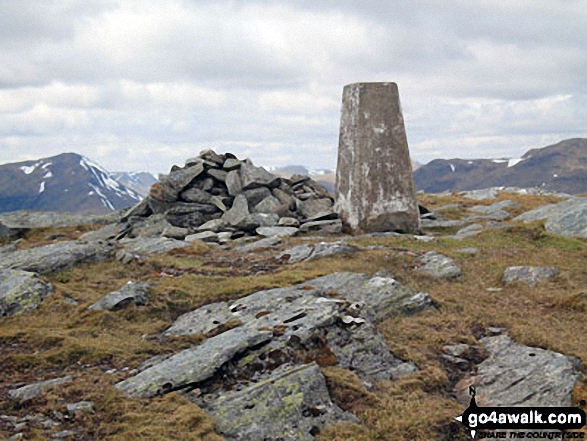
{"x":10,"y":233}
{"x":375,"y":188}
{"x":180,"y":179}
{"x":469,"y":231}
{"x":204,"y":236}
{"x":305,"y":252}
{"x":312,"y":207}
{"x":233,"y":183}
{"x":107,"y":232}
{"x":238,"y":216}
{"x":267,"y":205}
{"x":129,"y":294}
{"x":530,"y":275}
{"x":212,"y":156}
{"x":296,"y":254}
{"x":152,"y":226}
{"x":283,"y":197}
{"x":289,"y":222}
{"x":268,"y":242}
{"x":256,"y":195}
{"x":195,"y":195}
{"x":289,"y":406}
{"x":175,"y":232}
{"x":567,"y":218}
{"x":441,"y":223}
{"x":481,"y":195}
{"x":80,"y":407}
{"x":439,"y":266}
{"x":156,"y":245}
{"x":33,"y":390}
{"x":125,"y":256}
{"x":63,"y":434}
{"x":265,"y":219}
{"x":231,"y":164}
{"x":159,"y":192}
{"x":215,"y":225}
{"x":322,"y":227}
{"x":26,"y":219}
{"x":470,"y":250}
{"x":21,"y":291}
{"x":55,"y":257}
{"x":194,"y":365}
{"x":276,"y":231}
{"x":217,"y":202}
{"x":142,"y":209}
{"x":253,"y":177}
{"x":501,"y":205}
{"x":322,"y":216}
{"x":522,"y":376}
{"x":217,"y":174}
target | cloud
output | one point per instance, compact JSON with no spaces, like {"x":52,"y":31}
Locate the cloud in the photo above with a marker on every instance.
{"x":144,"y":84}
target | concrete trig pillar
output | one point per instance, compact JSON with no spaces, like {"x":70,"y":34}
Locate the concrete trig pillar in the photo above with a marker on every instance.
{"x":375,"y":188}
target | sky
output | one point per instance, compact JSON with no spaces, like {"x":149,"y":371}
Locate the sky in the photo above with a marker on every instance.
{"x":145,"y":84}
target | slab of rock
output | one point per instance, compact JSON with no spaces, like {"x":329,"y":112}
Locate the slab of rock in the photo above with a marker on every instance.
{"x":26,"y":219}
{"x":131,"y":293}
{"x":322,"y":227}
{"x":180,"y":179}
{"x":470,"y":231}
{"x":567,"y":218}
{"x":253,"y":177}
{"x":268,"y":242}
{"x":481,"y":195}
{"x":107,"y":232}
{"x":289,"y":222}
{"x":276,"y":231}
{"x":80,"y":406}
{"x":204,"y":236}
{"x":290,"y":406}
{"x":268,"y":205}
{"x":375,"y":188}
{"x":502,"y":205}
{"x":21,"y":291}
{"x":439,"y":266}
{"x":304,"y":252}
{"x":523,"y":376}
{"x":238,"y":216}
{"x":10,"y":233}
{"x":156,"y":245}
{"x":231,"y":164}
{"x":193,"y":365}
{"x":531,"y":275}
{"x":55,"y":257}
{"x":33,"y":390}
{"x":175,"y":232}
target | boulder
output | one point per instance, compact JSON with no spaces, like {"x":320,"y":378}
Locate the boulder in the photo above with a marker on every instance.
{"x":439,"y":266}
{"x":238,"y":216}
{"x":21,"y":291}
{"x":233,"y":183}
{"x":469,"y":231}
{"x":267,"y":242}
{"x":254,"y":177}
{"x":196,"y":195}
{"x":291,"y":406}
{"x":276,"y":231}
{"x":530,"y":275}
{"x":204,"y":236}
{"x":33,"y":390}
{"x":180,"y":179}
{"x":267,"y":205}
{"x":55,"y":257}
{"x":322,"y":227}
{"x":131,"y":293}
{"x":567,"y":218}
{"x":155,"y":245}
{"x":231,"y":164}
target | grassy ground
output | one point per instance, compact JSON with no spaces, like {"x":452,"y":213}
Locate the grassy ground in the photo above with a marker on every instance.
{"x":98,"y":348}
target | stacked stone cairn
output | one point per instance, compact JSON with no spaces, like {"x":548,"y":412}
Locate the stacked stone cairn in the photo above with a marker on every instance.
{"x":217,"y":198}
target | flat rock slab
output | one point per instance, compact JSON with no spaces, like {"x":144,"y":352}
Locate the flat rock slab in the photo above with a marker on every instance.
{"x":519,"y":375}
{"x":152,"y":245}
{"x":289,"y":406}
{"x":21,"y":291}
{"x":481,"y":195}
{"x":30,"y":391}
{"x":305,"y":252}
{"x":322,"y":227}
{"x":131,"y":293}
{"x":47,"y":219}
{"x":439,"y":266}
{"x":531,"y":275}
{"x":193,"y":365}
{"x":470,"y":231}
{"x":267,"y":242}
{"x":276,"y":231}
{"x":55,"y":257}
{"x":567,"y":218}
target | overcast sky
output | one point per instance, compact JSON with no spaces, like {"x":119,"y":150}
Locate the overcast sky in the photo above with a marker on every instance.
{"x":144,"y":84}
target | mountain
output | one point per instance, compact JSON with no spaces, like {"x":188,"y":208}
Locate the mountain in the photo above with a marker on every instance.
{"x":559,"y":167}
{"x":66,"y":182}
{"x":139,"y":181}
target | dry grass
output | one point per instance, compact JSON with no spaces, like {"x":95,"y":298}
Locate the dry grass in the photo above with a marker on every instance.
{"x":62,"y":338}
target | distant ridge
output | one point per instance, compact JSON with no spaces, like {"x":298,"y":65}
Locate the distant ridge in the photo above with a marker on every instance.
{"x":559,"y":167}
{"x":67,"y":182}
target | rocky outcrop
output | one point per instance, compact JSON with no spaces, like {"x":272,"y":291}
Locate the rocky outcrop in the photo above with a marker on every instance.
{"x":305,"y":252}
{"x":222,"y":194}
{"x":55,"y":257}
{"x":131,"y":293}
{"x":530,"y":275}
{"x":21,"y":291}
{"x":30,"y":391}
{"x":567,"y":218}
{"x":439,"y":266}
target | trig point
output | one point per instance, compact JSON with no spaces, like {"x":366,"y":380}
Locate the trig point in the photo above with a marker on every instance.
{"x":375,"y":188}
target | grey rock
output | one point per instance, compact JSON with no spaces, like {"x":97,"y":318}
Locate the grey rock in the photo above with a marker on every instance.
{"x":220,"y":175}
{"x":180,"y":179}
{"x":217,"y":202}
{"x":195,"y":195}
{"x":322,"y":227}
{"x":276,"y":231}
{"x":481,"y":195}
{"x":283,"y":197}
{"x":289,"y":222}
{"x":142,"y":209}
{"x":63,"y":434}
{"x":470,"y":231}
{"x":256,"y":195}
{"x":268,"y":242}
{"x":55,"y":257}
{"x":21,"y":291}
{"x":193,"y":365}
{"x":125,"y":256}
{"x":152,"y":226}
{"x":215,"y":225}
{"x":439,"y":266}
{"x":502,"y":205}
{"x":175,"y":232}
{"x":265,"y":219}
{"x":204,"y":236}
{"x":440,"y":223}
{"x":468,"y":250}
{"x":523,"y":376}
{"x":47,"y":219}
{"x":231,"y":164}
{"x":80,"y":406}
{"x":322,"y":216}
{"x":225,"y":236}
{"x":305,"y":252}
{"x":297,"y":253}
{"x":289,"y":406}
{"x":212,"y":156}
{"x":10,"y":233}
{"x":531,"y":275}
{"x":108,"y":232}
{"x":567,"y":218}
{"x":131,"y":293}
{"x":233,"y":183}
{"x":156,"y":245}
{"x":253,"y":177}
{"x":458,"y":350}
{"x":238,"y":216}
{"x":312,"y":207}
{"x":33,"y":390}
{"x":267,"y":205}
